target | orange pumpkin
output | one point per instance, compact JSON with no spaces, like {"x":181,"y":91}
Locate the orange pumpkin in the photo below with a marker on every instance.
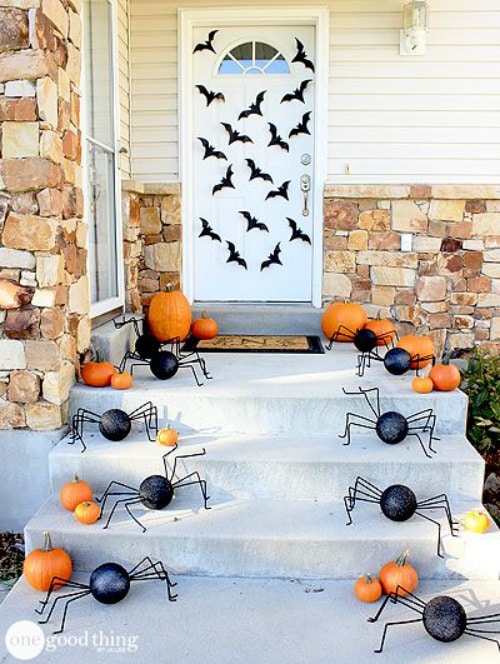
{"x":169,"y":315}
{"x":384,"y":329}
{"x":42,"y":565}
{"x":87,"y":512}
{"x":422,"y":385}
{"x":368,"y":589}
{"x":97,"y":372}
{"x":74,"y":493}
{"x":421,"y":346}
{"x":398,"y":573}
{"x":204,"y":327}
{"x":122,"y":381}
{"x":341,"y":318}
{"x":167,"y":436}
{"x":446,"y":377}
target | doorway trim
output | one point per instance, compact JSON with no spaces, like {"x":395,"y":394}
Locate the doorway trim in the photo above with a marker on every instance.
{"x":188,"y":19}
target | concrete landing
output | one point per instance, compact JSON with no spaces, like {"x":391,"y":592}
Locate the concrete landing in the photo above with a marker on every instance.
{"x":242,"y":621}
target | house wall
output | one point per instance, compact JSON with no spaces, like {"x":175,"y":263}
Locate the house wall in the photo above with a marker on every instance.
{"x":122,"y":17}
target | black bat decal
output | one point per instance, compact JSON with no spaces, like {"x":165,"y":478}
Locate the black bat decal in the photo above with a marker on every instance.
{"x":258,"y":172}
{"x":207,"y":45}
{"x":210,"y":95}
{"x":253,"y":109}
{"x":280,"y":191}
{"x":276,"y":138}
{"x":208,"y":231}
{"x":252,"y":222}
{"x":234,"y":256}
{"x":235,"y":136}
{"x":301,"y":127}
{"x":297,"y":233}
{"x":210,"y":151}
{"x":274,"y":258}
{"x":301,"y":55}
{"x":225,"y":182}
{"x":298,"y":93}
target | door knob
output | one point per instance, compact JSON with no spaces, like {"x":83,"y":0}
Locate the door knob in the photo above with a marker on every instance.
{"x":305,"y":186}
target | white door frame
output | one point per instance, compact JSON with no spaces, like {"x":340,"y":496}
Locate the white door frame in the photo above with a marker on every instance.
{"x":188,"y":19}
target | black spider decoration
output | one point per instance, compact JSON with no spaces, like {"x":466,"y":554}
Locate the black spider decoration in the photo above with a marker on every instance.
{"x":443,"y":617}
{"x":108,"y":584}
{"x":155,"y":492}
{"x":399,"y":503}
{"x":146,"y":345}
{"x":397,"y":361}
{"x":391,"y":427}
{"x":114,"y":424}
{"x":365,"y":341}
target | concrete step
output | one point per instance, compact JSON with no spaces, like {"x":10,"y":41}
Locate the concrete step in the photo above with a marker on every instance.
{"x":266,"y":538}
{"x":282,"y":467}
{"x":243,"y":621}
{"x":274,"y":393}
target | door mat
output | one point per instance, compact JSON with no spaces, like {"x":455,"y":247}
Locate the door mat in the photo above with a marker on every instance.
{"x":256,"y":343}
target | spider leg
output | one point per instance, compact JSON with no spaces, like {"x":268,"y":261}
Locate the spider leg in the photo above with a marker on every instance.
{"x":369,"y":494}
{"x":390,"y":624}
{"x":424,"y":516}
{"x":188,"y":365}
{"x":127,"y":505}
{"x":149,"y":413}
{"x":127,"y":499}
{"x":479,"y":636}
{"x":196,"y":359}
{"x":138,"y":363}
{"x":69,"y":597}
{"x":202,"y":484}
{"x":81,"y":416}
{"x":349,"y":424}
{"x":491,"y":617}
{"x":108,"y":492}
{"x":156,"y":571}
{"x":414,"y":433}
{"x":440,"y":502}
{"x":418,"y":359}
{"x":55,"y":583}
{"x":181,"y":456}
{"x":364,"y":361}
{"x":410,"y":601}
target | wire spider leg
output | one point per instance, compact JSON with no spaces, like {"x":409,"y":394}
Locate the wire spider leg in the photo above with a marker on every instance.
{"x":127,"y":506}
{"x":54,"y":584}
{"x":130,"y":500}
{"x":479,"y":636}
{"x":138,"y":363}
{"x":202,"y":484}
{"x":102,"y":500}
{"x":70,"y":597}
{"x":390,"y":624}
{"x":424,"y":516}
{"x":349,"y":424}
{"x":181,"y":456}
{"x":414,"y":433}
{"x":187,"y":365}
{"x":410,"y":601}
{"x":350,"y":503}
{"x":149,"y":413}
{"x":157,"y":571}
{"x":440,"y":502}
{"x":491,"y":617}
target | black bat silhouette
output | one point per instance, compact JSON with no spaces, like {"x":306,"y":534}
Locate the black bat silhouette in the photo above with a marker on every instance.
{"x":252,"y":222}
{"x":280,"y":191}
{"x":301,"y":55}
{"x":225,"y":182}
{"x":276,"y":138}
{"x":301,"y":127}
{"x":258,"y":172}
{"x":210,"y":151}
{"x":274,"y":257}
{"x":207,"y":45}
{"x":235,"y":136}
{"x":297,"y":233}
{"x":210,"y":95}
{"x":208,"y":231}
{"x":298,"y":93}
{"x":234,"y":256}
{"x":253,"y":109}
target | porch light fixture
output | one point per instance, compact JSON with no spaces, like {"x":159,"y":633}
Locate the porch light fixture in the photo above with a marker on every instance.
{"x":415,"y":24}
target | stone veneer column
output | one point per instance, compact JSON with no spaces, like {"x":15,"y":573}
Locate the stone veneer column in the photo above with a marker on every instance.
{"x":42,"y":233}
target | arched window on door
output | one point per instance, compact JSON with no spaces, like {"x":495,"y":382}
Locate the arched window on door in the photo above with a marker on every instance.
{"x":254,"y":57}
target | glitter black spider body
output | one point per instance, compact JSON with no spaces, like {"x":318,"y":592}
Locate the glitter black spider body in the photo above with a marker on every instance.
{"x":399,"y":503}
{"x":155,"y":492}
{"x":397,"y":361}
{"x":443,"y":617}
{"x":114,"y":424}
{"x":391,"y":427}
{"x":365,"y":339}
{"x":108,"y":584}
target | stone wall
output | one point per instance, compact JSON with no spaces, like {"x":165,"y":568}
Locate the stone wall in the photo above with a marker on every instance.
{"x":152,"y":240}
{"x":426,"y":256}
{"x":44,"y":321}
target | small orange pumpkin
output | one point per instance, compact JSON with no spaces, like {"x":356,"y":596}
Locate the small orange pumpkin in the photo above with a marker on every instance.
{"x":74,"y":493}
{"x":340,"y":317}
{"x":87,"y":512}
{"x":169,"y":315}
{"x":368,"y":589}
{"x":446,"y":377}
{"x":122,"y":381}
{"x":422,"y":385}
{"x":42,"y":565}
{"x":167,"y":436}
{"x":417,"y":346}
{"x":398,"y":573}
{"x":97,"y":372}
{"x":383,"y":328}
{"x":204,"y":327}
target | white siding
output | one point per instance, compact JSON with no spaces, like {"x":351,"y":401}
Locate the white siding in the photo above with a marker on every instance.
{"x":391,"y":119}
{"x":122,"y":11}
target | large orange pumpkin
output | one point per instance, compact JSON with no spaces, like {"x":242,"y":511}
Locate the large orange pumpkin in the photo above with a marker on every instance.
{"x":384,"y":329}
{"x":169,"y":315}
{"x":398,"y":573}
{"x":204,"y":327}
{"x":97,"y":372}
{"x":74,"y":492}
{"x":446,"y":377}
{"x":421,"y":346}
{"x":341,"y":318}
{"x":42,"y":565}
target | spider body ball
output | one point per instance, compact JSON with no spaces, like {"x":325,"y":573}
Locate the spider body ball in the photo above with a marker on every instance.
{"x":146,"y":346}
{"x":109,"y":583}
{"x":398,"y":502}
{"x":115,"y":424}
{"x":164,"y":365}
{"x":365,"y":340}
{"x":444,"y":619}
{"x":397,"y":361}
{"x":392,"y":427}
{"x":156,"y":492}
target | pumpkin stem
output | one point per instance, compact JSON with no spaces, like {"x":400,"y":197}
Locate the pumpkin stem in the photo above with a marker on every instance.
{"x":401,"y":561}
{"x":169,"y":288}
{"x":368,"y":578}
{"x":205,"y":314}
{"x":446,"y":356}
{"x":98,"y":355}
{"x":76,"y":479}
{"x":47,"y":544}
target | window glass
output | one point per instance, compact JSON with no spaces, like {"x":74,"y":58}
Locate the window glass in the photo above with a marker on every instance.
{"x":254,"y":58}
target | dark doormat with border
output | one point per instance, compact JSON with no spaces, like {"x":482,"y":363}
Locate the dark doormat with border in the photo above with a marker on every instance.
{"x":256,"y":343}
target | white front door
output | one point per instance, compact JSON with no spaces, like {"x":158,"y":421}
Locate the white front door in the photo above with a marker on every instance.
{"x":253,"y":146}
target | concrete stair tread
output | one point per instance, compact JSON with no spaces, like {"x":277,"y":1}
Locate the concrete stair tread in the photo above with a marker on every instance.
{"x":228,"y":621}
